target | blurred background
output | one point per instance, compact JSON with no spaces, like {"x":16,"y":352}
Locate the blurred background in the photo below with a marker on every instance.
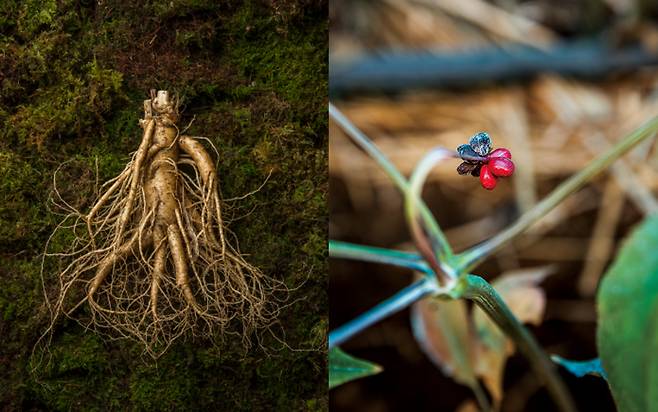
{"x":555,"y":82}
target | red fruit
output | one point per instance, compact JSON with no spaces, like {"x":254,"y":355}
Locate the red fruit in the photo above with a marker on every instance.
{"x":501,"y":152}
{"x":487,"y":179}
{"x":501,"y":167}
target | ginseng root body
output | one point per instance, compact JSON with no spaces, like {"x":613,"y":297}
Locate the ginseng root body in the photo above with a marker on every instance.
{"x":153,"y":254}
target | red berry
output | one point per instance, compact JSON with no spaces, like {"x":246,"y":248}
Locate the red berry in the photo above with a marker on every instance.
{"x":487,"y":179}
{"x":501,"y":166}
{"x":501,"y":152}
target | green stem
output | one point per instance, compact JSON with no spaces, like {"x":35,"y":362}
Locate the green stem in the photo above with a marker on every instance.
{"x":471,"y":257}
{"x":445,"y":253}
{"x":365,"y":253}
{"x":487,"y":299}
{"x":412,"y":198}
{"x":402,"y":299}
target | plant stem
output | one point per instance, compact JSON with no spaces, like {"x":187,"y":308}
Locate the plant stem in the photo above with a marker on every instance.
{"x":469,"y":258}
{"x":364,"y":253}
{"x":412,"y":199}
{"x":405,"y":297}
{"x":582,"y":368}
{"x":487,"y":299}
{"x":445,"y":253}
{"x":481,"y":397}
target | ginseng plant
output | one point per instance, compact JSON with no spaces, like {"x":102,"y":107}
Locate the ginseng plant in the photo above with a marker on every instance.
{"x":153,"y":256}
{"x":446,"y":275}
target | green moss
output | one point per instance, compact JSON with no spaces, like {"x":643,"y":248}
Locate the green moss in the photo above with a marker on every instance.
{"x":21,"y":186}
{"x":76,"y":104}
{"x":288,"y":62}
{"x":35,"y":14}
{"x":176,"y":8}
{"x":254,"y":79}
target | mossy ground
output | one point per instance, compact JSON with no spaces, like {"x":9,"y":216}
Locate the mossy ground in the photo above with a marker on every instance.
{"x":253,"y":77}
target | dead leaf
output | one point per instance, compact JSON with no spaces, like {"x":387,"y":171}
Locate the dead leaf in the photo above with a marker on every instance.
{"x":441,"y":328}
{"x":467,"y":406}
{"x":470,"y":347}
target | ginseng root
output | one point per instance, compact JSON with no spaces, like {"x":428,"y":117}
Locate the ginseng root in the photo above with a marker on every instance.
{"x":154,"y":256}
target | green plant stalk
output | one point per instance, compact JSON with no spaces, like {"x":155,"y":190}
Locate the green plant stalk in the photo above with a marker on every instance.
{"x":364,"y":253}
{"x":486,"y":298}
{"x":412,"y":199}
{"x":471,"y":257}
{"x":419,"y":289}
{"x":581,"y":368}
{"x":445,"y":253}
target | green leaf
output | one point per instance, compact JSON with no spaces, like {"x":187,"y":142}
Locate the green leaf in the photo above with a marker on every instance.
{"x":627,"y":336}
{"x":345,"y":368}
{"x":581,"y":368}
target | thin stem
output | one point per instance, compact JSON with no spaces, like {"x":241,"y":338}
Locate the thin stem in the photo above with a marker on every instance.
{"x":469,"y":258}
{"x":402,"y":299}
{"x":412,"y":199}
{"x":582,"y":368}
{"x":364,"y":253}
{"x":487,"y":299}
{"x":445,"y":253}
{"x":481,"y":397}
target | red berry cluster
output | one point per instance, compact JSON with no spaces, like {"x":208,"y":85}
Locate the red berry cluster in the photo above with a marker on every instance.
{"x":480,"y":161}
{"x":499,"y":164}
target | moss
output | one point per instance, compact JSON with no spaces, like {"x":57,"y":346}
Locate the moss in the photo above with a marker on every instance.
{"x":288,"y":62}
{"x":253,"y":77}
{"x":36,"y":14}
{"x":23,"y":190}
{"x":61,"y":110}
